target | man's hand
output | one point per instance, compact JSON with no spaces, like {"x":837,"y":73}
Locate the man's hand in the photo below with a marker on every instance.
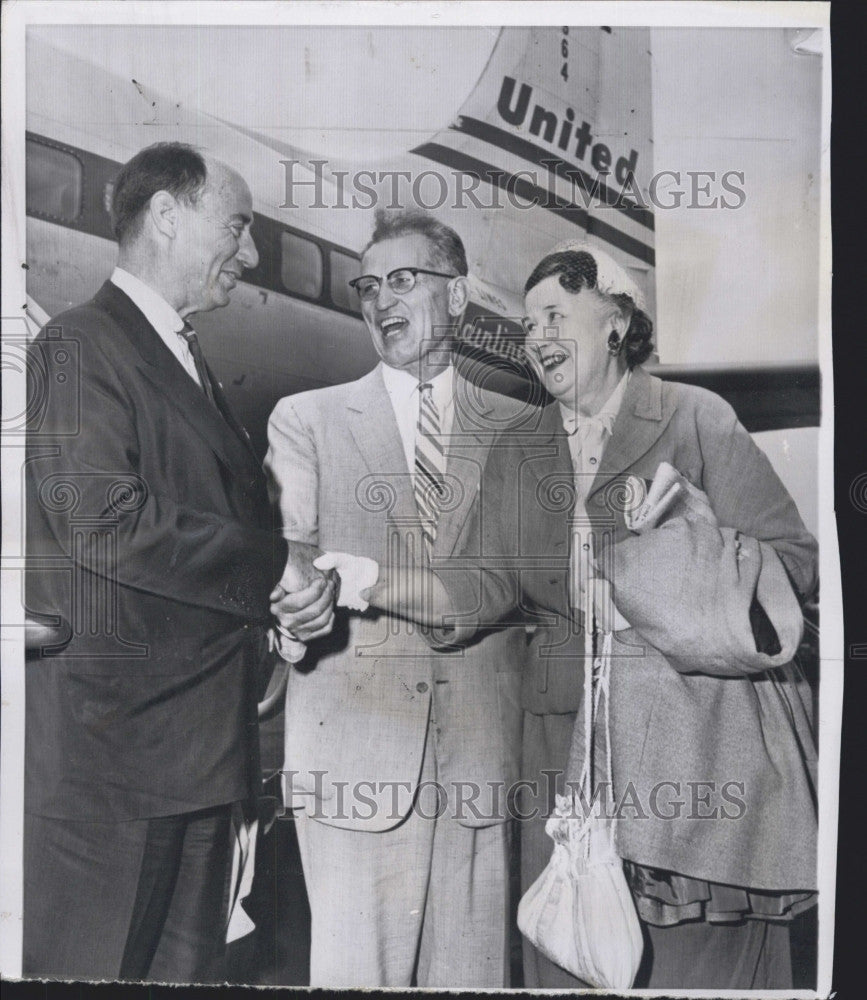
{"x":303,"y":601}
{"x":299,"y":571}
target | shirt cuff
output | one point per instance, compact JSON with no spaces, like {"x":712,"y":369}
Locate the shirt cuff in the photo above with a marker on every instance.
{"x":291,"y":650}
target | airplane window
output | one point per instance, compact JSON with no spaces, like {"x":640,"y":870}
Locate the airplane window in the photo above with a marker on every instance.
{"x":300,"y":265}
{"x":54,"y":182}
{"x":344,"y":267}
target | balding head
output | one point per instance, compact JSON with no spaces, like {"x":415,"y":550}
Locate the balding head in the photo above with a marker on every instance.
{"x":183,"y":224}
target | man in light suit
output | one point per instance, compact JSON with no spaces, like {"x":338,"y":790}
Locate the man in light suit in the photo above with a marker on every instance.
{"x":398,"y":753}
{"x":149,"y":533}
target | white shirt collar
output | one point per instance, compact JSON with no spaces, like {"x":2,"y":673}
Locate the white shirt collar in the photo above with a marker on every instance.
{"x":400,"y":385}
{"x":161,"y":316}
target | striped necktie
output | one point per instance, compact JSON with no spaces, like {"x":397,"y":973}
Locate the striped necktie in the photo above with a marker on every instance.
{"x":189,"y":335}
{"x":430,"y":464}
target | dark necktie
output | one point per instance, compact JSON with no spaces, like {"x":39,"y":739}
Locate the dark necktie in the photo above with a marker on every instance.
{"x":189,"y":334}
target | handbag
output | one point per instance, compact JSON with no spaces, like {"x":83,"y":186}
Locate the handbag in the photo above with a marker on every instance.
{"x":580,"y":912}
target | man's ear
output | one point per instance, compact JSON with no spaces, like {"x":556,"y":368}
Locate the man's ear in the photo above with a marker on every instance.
{"x":459,"y":295}
{"x":163,"y":213}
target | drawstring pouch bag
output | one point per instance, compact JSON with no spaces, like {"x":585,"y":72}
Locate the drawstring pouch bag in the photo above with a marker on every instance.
{"x":580,"y":912}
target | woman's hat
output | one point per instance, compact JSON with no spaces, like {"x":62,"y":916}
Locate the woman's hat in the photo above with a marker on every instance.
{"x":611,"y":278}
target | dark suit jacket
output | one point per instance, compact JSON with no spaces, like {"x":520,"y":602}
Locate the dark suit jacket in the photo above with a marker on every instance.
{"x":148,"y":531}
{"x":670,"y":721}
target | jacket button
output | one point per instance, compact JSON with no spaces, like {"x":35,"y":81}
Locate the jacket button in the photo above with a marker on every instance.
{"x":421,"y":687}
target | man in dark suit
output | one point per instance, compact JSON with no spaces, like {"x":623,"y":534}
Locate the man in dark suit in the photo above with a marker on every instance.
{"x":149,"y":534}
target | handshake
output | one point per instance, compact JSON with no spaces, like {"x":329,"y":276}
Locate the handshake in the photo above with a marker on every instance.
{"x":312,"y":585}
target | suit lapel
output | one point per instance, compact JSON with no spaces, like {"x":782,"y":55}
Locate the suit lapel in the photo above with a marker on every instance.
{"x":642,"y":418}
{"x":466,"y":453}
{"x":162,"y":370}
{"x":229,"y":416}
{"x":548,"y":459}
{"x":374,"y":428}
{"x":378,"y":440}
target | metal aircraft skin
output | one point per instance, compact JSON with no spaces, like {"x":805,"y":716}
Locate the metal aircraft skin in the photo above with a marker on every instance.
{"x":545,"y":148}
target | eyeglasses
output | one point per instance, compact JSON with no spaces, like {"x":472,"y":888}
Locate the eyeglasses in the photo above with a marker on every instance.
{"x":401,"y":280}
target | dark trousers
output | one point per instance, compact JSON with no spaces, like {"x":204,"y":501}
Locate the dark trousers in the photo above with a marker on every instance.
{"x":141,"y":899}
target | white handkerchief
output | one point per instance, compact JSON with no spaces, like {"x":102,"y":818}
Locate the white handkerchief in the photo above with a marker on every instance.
{"x":357,"y":573}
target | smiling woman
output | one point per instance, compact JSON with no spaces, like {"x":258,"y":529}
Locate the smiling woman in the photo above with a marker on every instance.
{"x":716,"y":909}
{"x":327,"y":123}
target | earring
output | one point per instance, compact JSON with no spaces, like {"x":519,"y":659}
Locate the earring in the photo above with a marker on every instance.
{"x":614,"y":343}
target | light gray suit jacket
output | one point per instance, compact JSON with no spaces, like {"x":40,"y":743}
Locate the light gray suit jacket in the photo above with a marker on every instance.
{"x":357,"y":707}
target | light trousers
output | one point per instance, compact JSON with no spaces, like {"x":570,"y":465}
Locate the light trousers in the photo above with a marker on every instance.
{"x":424,"y":903}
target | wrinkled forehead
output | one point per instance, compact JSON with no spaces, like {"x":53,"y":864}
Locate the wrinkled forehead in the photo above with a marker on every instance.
{"x":411,"y":250}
